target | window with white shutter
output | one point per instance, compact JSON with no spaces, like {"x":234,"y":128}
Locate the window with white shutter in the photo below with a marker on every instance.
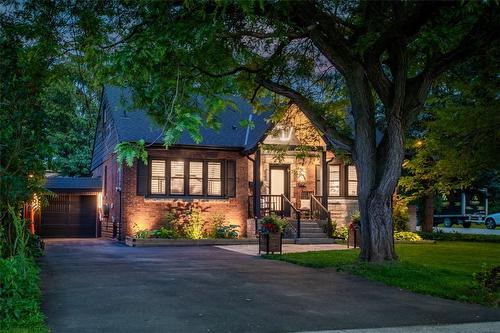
{"x":352,"y":181}
{"x":177,"y":177}
{"x":157,"y":177}
{"x":195,"y":178}
{"x":334,"y":180}
{"x":214,"y":176}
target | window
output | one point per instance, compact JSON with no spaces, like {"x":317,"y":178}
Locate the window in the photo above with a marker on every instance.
{"x":195,"y":178}
{"x":190,"y":178}
{"x":214,"y":178}
{"x":282,"y":133}
{"x":157,"y":177}
{"x":177,"y":177}
{"x":317,"y":188}
{"x":334,"y":180}
{"x":352,"y":181}
{"x":231,"y":178}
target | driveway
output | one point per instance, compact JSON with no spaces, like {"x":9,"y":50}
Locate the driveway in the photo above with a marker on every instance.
{"x":100,"y":286}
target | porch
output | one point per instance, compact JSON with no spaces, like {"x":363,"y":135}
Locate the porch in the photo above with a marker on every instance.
{"x":292,"y":188}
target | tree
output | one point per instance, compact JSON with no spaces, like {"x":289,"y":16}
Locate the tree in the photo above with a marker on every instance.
{"x":387,"y":53}
{"x":71,"y":105}
{"x":456,"y":143}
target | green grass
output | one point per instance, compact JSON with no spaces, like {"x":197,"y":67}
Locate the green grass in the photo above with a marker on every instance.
{"x":38,"y":329}
{"x":443,"y":269}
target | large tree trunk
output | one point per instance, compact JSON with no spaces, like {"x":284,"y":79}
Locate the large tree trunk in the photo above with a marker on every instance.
{"x":428,"y":222}
{"x":377,"y":240}
{"x":379,"y":168}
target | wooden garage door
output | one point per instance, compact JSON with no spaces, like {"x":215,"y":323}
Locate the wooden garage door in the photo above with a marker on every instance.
{"x":69,"y":216}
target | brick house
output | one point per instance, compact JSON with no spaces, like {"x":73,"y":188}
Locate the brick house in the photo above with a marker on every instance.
{"x":290,"y":159}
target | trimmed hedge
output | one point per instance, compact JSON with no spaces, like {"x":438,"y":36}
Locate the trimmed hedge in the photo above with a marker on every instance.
{"x":20,"y":293}
{"x":455,"y":236}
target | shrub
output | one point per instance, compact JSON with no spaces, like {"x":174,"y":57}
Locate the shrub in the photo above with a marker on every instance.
{"x":487,"y":285}
{"x":400,"y":218}
{"x":407,"y":236}
{"x":164,"y":232}
{"x":220,"y":229}
{"x":227,"y":231}
{"x":194,"y":226}
{"x":356,"y":217}
{"x":455,"y":236}
{"x":142,"y":234}
{"x":19,"y":293}
{"x":341,"y":232}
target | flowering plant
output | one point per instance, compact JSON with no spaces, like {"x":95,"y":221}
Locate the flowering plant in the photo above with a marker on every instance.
{"x":272,"y":223}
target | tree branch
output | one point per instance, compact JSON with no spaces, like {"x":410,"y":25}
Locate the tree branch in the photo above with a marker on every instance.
{"x":305,"y":106}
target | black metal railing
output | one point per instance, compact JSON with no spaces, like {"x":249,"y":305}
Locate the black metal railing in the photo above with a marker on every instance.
{"x":297,"y":212}
{"x":318,"y":210}
{"x":269,"y":203}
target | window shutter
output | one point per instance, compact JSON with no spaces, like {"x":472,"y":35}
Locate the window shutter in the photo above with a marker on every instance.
{"x":231,"y":178}
{"x":142,"y":178}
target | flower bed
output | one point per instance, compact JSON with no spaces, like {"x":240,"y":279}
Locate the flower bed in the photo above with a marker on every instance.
{"x":144,"y":242}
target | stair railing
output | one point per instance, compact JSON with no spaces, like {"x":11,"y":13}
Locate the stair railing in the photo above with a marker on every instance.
{"x":297,"y":212}
{"x":318,"y":208}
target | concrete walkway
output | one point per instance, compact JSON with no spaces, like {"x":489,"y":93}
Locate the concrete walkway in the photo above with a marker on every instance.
{"x":491,"y":327}
{"x":99,"y":286}
{"x":253,"y":249}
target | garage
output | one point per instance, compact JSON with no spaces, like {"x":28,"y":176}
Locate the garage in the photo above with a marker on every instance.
{"x":72,"y":211}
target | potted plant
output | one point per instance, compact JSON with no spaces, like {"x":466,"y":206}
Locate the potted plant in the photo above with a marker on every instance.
{"x":354,"y":238}
{"x":271,"y":233}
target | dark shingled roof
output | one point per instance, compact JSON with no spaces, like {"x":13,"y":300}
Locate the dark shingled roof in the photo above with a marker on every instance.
{"x":85,"y":184}
{"x":133,"y":125}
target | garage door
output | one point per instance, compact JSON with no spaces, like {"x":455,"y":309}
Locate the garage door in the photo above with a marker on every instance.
{"x":69,"y":216}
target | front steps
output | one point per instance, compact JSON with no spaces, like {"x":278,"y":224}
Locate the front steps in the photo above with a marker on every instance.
{"x":312,"y":233}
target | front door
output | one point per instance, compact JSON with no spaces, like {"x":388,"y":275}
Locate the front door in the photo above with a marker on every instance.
{"x":279,"y":184}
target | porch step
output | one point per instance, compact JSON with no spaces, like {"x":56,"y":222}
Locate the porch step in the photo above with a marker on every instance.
{"x":320,"y":234}
{"x":304,"y":241}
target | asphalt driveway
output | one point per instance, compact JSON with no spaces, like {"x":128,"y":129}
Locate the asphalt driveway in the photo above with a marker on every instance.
{"x":99,"y":286}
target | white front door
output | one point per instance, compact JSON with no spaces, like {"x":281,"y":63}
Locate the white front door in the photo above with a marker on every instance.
{"x":278,"y":186}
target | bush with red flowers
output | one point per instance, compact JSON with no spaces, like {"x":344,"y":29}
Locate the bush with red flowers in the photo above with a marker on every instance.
{"x":272,"y":223}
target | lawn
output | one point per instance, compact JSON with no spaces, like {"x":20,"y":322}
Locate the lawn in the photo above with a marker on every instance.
{"x":443,"y":269}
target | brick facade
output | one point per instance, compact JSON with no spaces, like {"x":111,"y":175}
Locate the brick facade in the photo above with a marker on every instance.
{"x":143,"y":212}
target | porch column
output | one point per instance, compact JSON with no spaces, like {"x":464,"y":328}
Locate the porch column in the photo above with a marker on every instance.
{"x":324,"y":180}
{"x":256,"y":184}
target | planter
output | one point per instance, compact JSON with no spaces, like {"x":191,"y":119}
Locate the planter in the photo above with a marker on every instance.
{"x":353,"y":238}
{"x":271,"y":242}
{"x":135,"y":242}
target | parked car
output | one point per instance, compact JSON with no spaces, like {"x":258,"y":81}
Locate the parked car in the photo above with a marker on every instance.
{"x":492,"y":221}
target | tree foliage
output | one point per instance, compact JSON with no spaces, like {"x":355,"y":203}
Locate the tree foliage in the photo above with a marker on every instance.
{"x":456,"y":144}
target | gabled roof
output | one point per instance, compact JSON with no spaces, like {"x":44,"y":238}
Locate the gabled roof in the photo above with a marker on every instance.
{"x":133,"y":125}
{"x":83,"y":184}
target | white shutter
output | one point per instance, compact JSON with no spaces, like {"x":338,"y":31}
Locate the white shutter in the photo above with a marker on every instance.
{"x":195,"y":178}
{"x":177,"y":177}
{"x":214,"y":178}
{"x":352,"y":181}
{"x":157,"y":177}
{"x":334,"y":180}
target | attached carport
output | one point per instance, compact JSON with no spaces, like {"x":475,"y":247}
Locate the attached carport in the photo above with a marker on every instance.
{"x":73,"y":210}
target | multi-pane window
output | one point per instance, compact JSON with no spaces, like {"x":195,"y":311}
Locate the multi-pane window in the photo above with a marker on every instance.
{"x":192,"y":178}
{"x":177,"y":177}
{"x":334,"y":180}
{"x":157,"y":177}
{"x":352,"y":181}
{"x":214,"y":175}
{"x":195,"y":178}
